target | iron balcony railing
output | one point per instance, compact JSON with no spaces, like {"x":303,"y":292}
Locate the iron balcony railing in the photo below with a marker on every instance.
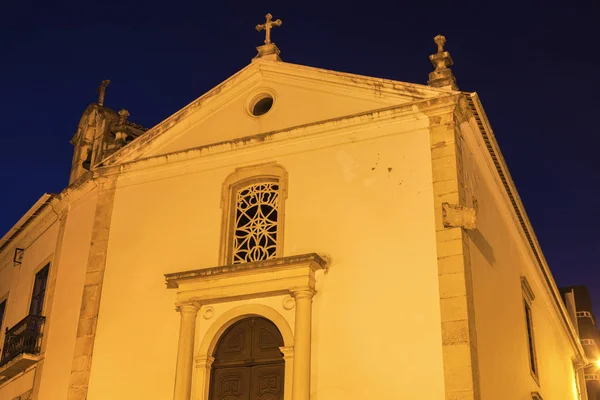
{"x":23,"y":338}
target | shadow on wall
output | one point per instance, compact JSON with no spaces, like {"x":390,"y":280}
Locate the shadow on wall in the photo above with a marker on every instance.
{"x":482,"y":245}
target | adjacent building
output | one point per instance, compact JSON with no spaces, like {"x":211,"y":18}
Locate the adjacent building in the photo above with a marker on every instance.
{"x":294,"y":233}
{"x":579,"y":305}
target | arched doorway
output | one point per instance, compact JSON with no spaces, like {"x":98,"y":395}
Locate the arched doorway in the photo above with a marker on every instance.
{"x":248,"y":363}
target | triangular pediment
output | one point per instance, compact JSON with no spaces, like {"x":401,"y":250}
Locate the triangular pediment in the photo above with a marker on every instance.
{"x":301,"y":96}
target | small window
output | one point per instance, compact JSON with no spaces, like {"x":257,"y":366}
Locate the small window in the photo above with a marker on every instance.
{"x":2,"y":312}
{"x":39,"y":291}
{"x":261,"y":105}
{"x":530,"y":339}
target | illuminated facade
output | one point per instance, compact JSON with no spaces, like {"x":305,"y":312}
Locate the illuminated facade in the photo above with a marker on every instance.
{"x":322,"y":236}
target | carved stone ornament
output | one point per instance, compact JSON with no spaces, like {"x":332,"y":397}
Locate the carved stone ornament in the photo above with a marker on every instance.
{"x":457,"y":216}
{"x":289,"y":302}
{"x":208,"y":312}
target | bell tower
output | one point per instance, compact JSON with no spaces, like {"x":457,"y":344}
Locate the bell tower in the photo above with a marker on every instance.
{"x":101,"y":132}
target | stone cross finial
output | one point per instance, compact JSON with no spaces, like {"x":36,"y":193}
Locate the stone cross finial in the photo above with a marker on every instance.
{"x":102,"y":91}
{"x":440,"y":40}
{"x":123,"y":114}
{"x":267,"y":27}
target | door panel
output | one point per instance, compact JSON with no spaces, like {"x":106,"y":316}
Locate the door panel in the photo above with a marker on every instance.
{"x":231,"y":384}
{"x":236,"y":344}
{"x":266,"y":340}
{"x":267,"y":382}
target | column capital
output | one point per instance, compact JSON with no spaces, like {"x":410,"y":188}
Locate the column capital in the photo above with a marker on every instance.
{"x":288,"y":351}
{"x":303,"y":293}
{"x":204,"y":362}
{"x":187,"y":308}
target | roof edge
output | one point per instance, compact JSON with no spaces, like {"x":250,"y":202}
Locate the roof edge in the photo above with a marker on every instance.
{"x":26,"y":219}
{"x":263,"y":66}
{"x":519,"y":209}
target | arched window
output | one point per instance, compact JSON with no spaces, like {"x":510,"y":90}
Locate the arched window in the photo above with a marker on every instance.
{"x":253,"y":203}
{"x":248,"y":363}
{"x":255,"y":221}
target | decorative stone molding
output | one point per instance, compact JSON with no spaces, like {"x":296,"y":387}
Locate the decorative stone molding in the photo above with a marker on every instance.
{"x":294,"y":276}
{"x":288,"y":303}
{"x":527,"y":290}
{"x":205,"y":349}
{"x":208,"y":312}
{"x":245,"y":175}
{"x":223,"y":283}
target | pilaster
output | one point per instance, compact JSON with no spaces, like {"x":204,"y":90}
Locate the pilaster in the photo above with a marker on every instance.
{"x":203,"y":366}
{"x":90,"y":302}
{"x":459,"y":344}
{"x":185,"y":351}
{"x":302,"y":345}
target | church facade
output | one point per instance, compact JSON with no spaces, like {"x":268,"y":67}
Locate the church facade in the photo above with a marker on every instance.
{"x":293,"y":234}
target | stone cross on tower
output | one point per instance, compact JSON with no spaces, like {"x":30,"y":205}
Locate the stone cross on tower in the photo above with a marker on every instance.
{"x":102,"y":92}
{"x":267,"y":27}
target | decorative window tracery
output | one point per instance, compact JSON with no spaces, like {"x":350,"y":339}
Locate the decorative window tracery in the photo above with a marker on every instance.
{"x":255,"y":225}
{"x":253,"y":203}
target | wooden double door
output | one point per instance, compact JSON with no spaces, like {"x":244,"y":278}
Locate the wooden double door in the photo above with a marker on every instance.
{"x":248,"y":363}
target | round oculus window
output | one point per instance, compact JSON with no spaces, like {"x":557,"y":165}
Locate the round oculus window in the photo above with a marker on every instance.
{"x":261,"y":105}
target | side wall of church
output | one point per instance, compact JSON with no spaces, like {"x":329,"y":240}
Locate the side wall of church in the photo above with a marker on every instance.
{"x":16,"y":285}
{"x":499,"y":257}
{"x":361,"y":197}
{"x":61,"y":239}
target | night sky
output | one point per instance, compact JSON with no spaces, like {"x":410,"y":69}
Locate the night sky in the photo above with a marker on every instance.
{"x":534,"y":66}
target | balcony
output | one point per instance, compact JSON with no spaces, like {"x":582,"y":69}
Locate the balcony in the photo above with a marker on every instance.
{"x":21,"y":346}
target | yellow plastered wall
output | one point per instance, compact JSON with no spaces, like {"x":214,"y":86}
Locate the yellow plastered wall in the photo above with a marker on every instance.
{"x":363,"y":199}
{"x":17,"y":281}
{"x":66,"y":303}
{"x":217,"y":126}
{"x":499,"y":257}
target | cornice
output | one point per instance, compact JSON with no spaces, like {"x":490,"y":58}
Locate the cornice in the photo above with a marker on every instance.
{"x":381,"y":117}
{"x":33,"y":224}
{"x":208,"y":99}
{"x":355,"y":81}
{"x":54,"y":207}
{"x":279,"y":70}
{"x":314,"y":260}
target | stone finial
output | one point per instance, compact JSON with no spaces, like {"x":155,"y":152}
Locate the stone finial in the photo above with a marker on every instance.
{"x":269,"y":50}
{"x":442,"y":76}
{"x":440,"y":40}
{"x":102,"y":92}
{"x":123,"y":114}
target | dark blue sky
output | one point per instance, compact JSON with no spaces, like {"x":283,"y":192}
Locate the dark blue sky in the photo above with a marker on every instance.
{"x":533,"y":64}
